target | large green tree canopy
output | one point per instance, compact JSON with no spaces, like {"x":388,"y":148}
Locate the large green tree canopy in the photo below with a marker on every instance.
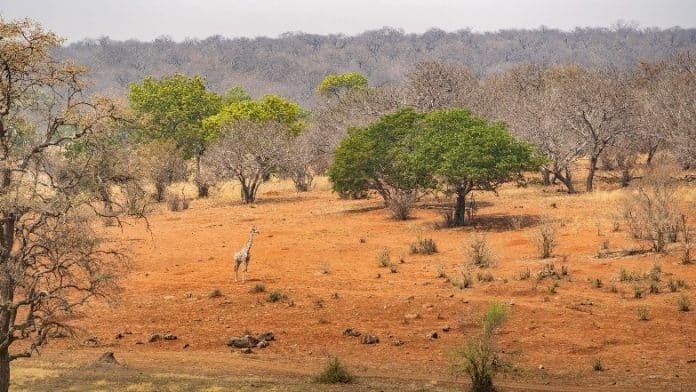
{"x":269,"y":108}
{"x":448,"y":150}
{"x":173,"y":108}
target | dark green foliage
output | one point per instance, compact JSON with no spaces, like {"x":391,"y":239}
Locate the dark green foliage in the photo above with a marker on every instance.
{"x":334,"y":373}
{"x":276,"y":296}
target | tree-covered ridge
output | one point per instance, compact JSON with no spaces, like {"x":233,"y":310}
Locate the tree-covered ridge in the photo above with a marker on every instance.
{"x":295,"y":63}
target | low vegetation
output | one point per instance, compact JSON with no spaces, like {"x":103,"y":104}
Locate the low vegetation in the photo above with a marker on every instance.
{"x":334,"y":373}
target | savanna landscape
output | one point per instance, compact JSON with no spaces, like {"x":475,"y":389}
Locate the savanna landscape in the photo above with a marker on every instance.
{"x":379,"y":224}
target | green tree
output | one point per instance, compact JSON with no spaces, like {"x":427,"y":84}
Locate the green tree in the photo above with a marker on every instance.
{"x":235,"y":94}
{"x":380,"y":157}
{"x":269,"y":108}
{"x":255,"y":138}
{"x":173,"y":108}
{"x":335,"y":84}
{"x":465,"y":153}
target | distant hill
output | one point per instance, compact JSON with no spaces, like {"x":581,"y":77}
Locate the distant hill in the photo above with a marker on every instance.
{"x":293,"y":64}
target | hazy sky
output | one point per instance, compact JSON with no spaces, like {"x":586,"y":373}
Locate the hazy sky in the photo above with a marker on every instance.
{"x":147,"y":19}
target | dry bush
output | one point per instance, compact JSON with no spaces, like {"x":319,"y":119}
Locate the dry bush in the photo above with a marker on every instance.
{"x":425,"y":246}
{"x":401,"y":203}
{"x":652,"y":211}
{"x":546,"y":239}
{"x":480,"y":253}
{"x":384,"y":258}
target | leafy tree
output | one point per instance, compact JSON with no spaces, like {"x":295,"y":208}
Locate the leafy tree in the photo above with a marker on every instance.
{"x":173,"y":108}
{"x":51,"y":259}
{"x":256,"y":139}
{"x":235,"y":94}
{"x":269,"y":108}
{"x":466,"y":153}
{"x":335,"y":84}
{"x":380,"y":157}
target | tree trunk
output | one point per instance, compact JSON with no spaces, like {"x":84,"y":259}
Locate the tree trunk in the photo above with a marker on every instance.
{"x":203,"y":188}
{"x":248,"y":193}
{"x":589,"y":182}
{"x":4,"y":370}
{"x":625,"y":177}
{"x":545,"y":176}
{"x":460,"y":208}
{"x":566,"y":179}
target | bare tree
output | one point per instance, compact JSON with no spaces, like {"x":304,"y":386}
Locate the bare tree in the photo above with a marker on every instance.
{"x":300,"y":158}
{"x":249,"y":151}
{"x":51,"y":262}
{"x":163,"y":165}
{"x":433,"y":85}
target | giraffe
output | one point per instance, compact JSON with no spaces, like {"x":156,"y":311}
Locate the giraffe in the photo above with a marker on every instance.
{"x":244,"y":255}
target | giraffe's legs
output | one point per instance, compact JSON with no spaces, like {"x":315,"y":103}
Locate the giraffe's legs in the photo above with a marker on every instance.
{"x":245,"y":271}
{"x":236,"y":271}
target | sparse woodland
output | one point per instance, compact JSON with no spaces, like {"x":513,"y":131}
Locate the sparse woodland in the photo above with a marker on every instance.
{"x":404,"y":117}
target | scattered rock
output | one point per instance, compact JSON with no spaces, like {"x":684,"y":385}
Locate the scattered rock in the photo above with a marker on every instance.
{"x":378,"y":276}
{"x":247,"y":341}
{"x":262,"y":344}
{"x":428,"y":306}
{"x":351,"y":332}
{"x":396,"y":342}
{"x":691,"y":361}
{"x":446,"y":328}
{"x":107,"y":357}
{"x":119,"y":335}
{"x":215,"y":294}
{"x":267,"y":336}
{"x":541,"y":367}
{"x":369,"y":339}
{"x":246,"y":351}
{"x":169,"y":336}
{"x":91,"y":341}
{"x":412,"y":316}
{"x":185,"y":346}
{"x":432,"y":335}
{"x":154,"y":338}
{"x":139,"y":342}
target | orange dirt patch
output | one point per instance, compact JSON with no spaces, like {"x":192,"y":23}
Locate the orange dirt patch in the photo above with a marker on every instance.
{"x":188,"y":254}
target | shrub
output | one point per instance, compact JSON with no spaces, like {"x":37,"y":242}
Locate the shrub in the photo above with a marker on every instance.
{"x":553,"y":288}
{"x":683,"y":302}
{"x":401,"y":203}
{"x":383,"y":258}
{"x":548,"y":271}
{"x":654,"y":288}
{"x":626,"y":276}
{"x":325,"y":268}
{"x":597,"y":283}
{"x":479,"y":358}
{"x":442,"y":270}
{"x":393,"y":268}
{"x":638,"y":292}
{"x":546,"y":239}
{"x":672,"y":285}
{"x":643,"y":312}
{"x":258,"y":288}
{"x":275,"y":296}
{"x":485,"y":277}
{"x":174,"y":202}
{"x":480,"y":253}
{"x":597,"y":365}
{"x":526,"y":274}
{"x":425,"y":246}
{"x":465,"y":280}
{"x":334,"y":373}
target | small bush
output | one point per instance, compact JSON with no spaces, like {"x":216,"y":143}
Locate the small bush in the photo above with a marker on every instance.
{"x":174,"y":202}
{"x":480,"y":253}
{"x":526,"y":274}
{"x":393,"y":268}
{"x":546,"y":239}
{"x":626,"y":276}
{"x":638,"y":292}
{"x":597,"y":283}
{"x":442,"y":270}
{"x":672,"y":285}
{"x":643,"y":312}
{"x":275,"y":296}
{"x":548,"y":271}
{"x":400,"y":204}
{"x":424,"y":246}
{"x":383,"y":258}
{"x":258,"y":288}
{"x":334,"y":373}
{"x":684,"y":303}
{"x":465,"y":280}
{"x":655,"y":273}
{"x":654,"y":288}
{"x":479,"y":358}
{"x":485,"y":277}
{"x":553,"y":288}
{"x":325,"y":268}
{"x":597,"y":365}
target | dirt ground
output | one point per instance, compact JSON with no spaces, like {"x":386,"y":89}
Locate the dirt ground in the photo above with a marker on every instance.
{"x":321,"y":252}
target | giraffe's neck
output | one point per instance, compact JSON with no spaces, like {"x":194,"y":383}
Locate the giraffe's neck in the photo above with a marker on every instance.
{"x":247,"y":247}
